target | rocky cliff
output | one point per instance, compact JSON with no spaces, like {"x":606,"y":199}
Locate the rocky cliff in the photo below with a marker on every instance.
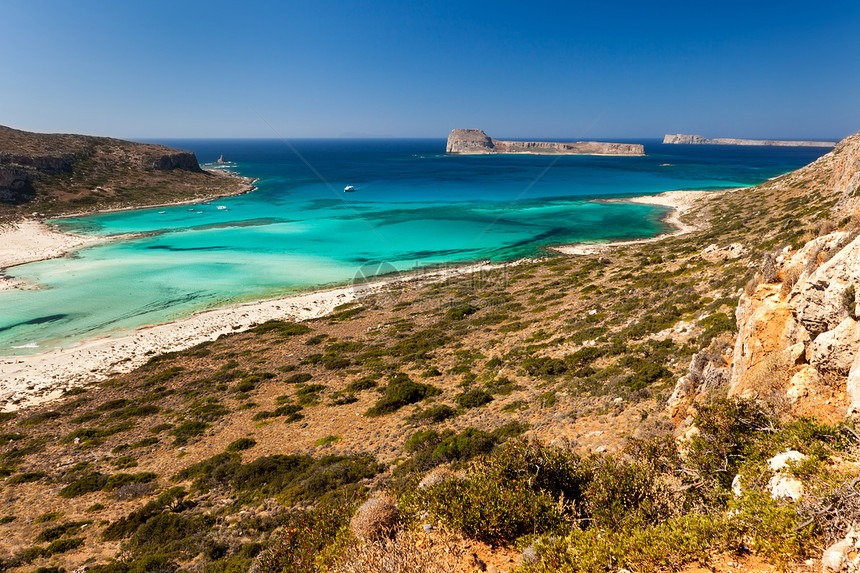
{"x":798,"y":321}
{"x":699,"y":140}
{"x":475,"y":141}
{"x":54,"y":172}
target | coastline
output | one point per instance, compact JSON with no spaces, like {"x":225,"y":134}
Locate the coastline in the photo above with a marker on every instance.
{"x":37,"y":378}
{"x":29,"y":240}
{"x":678,"y":202}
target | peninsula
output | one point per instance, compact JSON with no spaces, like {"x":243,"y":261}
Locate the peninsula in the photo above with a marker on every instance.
{"x":476,"y":142}
{"x":680,"y":138}
{"x":63,"y":173}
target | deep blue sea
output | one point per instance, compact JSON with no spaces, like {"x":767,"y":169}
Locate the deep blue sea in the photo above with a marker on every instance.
{"x":414,"y":206}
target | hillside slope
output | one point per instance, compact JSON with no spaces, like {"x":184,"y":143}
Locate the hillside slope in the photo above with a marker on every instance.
{"x":523,"y":418}
{"x":57,"y":173}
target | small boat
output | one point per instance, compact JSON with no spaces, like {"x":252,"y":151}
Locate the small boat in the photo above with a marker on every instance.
{"x":349,"y":189}
{"x":190,"y":209}
{"x":222,"y":208}
{"x":162,"y":212}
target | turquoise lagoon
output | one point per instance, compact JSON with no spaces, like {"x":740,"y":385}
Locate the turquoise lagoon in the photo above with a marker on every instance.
{"x":299,"y":231}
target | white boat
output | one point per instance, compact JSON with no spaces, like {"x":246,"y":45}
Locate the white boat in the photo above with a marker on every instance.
{"x":222,"y":208}
{"x":349,"y":189}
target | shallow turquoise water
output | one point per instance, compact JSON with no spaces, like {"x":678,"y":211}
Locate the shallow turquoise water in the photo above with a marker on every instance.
{"x":414,"y":207}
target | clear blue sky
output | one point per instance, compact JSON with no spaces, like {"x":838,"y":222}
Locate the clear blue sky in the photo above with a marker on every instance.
{"x":567,"y":69}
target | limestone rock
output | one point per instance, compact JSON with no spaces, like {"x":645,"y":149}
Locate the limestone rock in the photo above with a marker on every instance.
{"x":781,"y":460}
{"x":737,"y":488}
{"x":836,"y":557}
{"x":836,"y":349}
{"x":853,"y":386}
{"x":785,"y":487}
{"x":714,"y":253}
{"x":766,"y":329}
{"x":803,"y":382}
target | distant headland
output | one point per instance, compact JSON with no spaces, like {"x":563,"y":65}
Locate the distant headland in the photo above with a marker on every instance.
{"x":699,"y":140}
{"x":475,"y":141}
{"x":60,"y":174}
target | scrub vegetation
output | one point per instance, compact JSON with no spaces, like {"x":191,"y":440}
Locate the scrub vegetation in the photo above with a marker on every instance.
{"x":514,"y":411}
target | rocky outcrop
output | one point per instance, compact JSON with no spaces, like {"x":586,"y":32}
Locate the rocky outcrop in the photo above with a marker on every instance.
{"x":476,"y":142}
{"x":184,"y":160}
{"x":680,"y":138}
{"x":799,"y":332}
{"x":15,"y":185}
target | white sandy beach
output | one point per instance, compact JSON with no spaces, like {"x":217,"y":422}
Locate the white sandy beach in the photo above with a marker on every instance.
{"x":28,"y":380}
{"x":29,"y":240}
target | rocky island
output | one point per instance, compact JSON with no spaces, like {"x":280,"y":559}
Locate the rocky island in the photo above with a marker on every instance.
{"x":680,"y":138}
{"x":476,"y":142}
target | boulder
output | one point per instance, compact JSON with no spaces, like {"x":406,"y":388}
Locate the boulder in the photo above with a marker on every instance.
{"x":819,"y":301}
{"x":714,"y":253}
{"x":804,"y":382}
{"x":836,"y":349}
{"x":853,"y":386}
{"x":836,"y":558}
{"x":785,"y":487}
{"x":781,"y":461}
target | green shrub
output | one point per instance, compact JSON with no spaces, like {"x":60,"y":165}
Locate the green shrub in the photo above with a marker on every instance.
{"x":281,"y":328}
{"x":303,"y":540}
{"x":58,"y":531}
{"x":299,"y":378}
{"x":26,"y":477}
{"x":98,"y":482}
{"x":460,"y":312}
{"x":308,"y":395}
{"x":726,"y":428}
{"x":290,"y":410}
{"x":241,"y":444}
{"x":39,"y":419}
{"x":113,"y":405}
{"x":473,"y":398}
{"x":293,"y":477}
{"x":187,"y":430}
{"x":482,"y":508}
{"x":434,"y":414}
{"x":363,"y":383}
{"x":401,"y":391}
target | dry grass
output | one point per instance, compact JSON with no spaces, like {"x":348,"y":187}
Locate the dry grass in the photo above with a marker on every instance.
{"x":375,"y":519}
{"x":408,"y":552}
